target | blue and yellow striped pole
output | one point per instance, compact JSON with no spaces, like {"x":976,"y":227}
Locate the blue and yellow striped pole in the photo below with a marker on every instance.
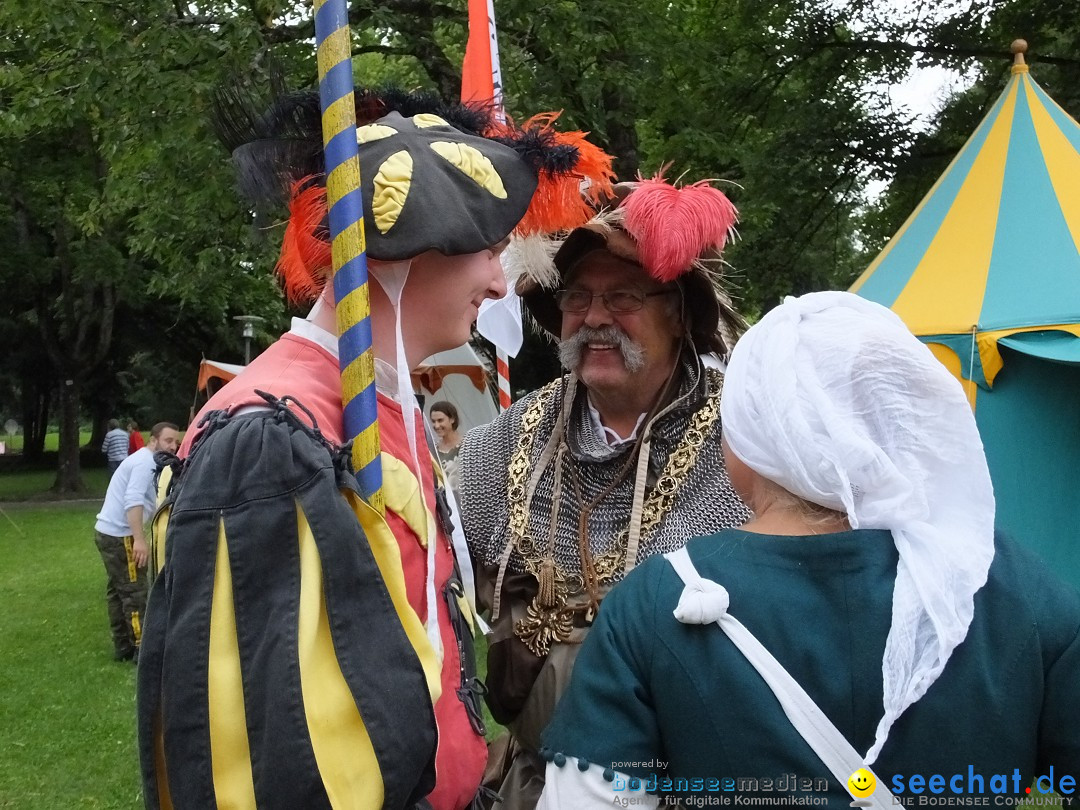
{"x":346,"y":206}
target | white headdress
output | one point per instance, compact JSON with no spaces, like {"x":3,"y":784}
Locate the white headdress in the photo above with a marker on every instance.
{"x":833,"y":398}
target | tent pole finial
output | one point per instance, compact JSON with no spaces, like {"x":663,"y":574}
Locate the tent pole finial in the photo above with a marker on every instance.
{"x":1019,"y":48}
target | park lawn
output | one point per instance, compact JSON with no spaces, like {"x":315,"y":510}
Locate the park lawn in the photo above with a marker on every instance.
{"x":67,"y":728}
{"x":33,"y":485}
{"x":52,"y":441}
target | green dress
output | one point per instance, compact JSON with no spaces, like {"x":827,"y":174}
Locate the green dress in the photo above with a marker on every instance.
{"x":653,"y":697}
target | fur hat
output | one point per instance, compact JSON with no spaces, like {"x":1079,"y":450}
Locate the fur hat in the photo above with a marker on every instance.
{"x":676,"y":234}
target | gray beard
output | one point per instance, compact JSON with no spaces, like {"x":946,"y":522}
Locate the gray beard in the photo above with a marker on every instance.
{"x":570,"y":349}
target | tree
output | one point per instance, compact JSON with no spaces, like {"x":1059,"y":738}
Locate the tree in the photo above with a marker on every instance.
{"x":118,"y":203}
{"x":976,"y":40}
{"x":117,"y":190}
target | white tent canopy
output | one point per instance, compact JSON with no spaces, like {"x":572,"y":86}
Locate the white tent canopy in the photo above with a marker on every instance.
{"x":457,"y":376}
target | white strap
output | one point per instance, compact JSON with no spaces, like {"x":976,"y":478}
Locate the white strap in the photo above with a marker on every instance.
{"x":637,"y":507}
{"x":704,"y":601}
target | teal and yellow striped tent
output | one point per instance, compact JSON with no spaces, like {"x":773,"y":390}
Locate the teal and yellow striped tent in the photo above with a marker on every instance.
{"x":986,"y":271}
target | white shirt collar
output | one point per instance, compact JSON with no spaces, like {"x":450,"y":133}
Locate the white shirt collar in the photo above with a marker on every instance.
{"x":385,"y":374}
{"x":612,"y":438}
{"x":316,"y":334}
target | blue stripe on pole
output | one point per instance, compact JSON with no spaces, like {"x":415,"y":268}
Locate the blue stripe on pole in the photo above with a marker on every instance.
{"x":340,"y":148}
{"x":329,"y":17}
{"x":350,"y":276}
{"x":336,"y":78}
{"x":343,"y":213}
{"x":353,"y":343}
{"x":336,"y":84}
{"x":370,"y":476}
{"x":355,"y":410}
{"x":346,"y":233}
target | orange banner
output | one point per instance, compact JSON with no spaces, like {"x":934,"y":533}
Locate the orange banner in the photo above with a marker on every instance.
{"x":477,"y":73}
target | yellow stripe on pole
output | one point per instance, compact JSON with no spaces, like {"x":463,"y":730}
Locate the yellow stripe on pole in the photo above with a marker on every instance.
{"x":355,"y":306}
{"x":369,"y":438}
{"x":349,"y":244}
{"x":337,"y":47}
{"x":341,"y":181}
{"x":363,"y":367}
{"x":339,"y":117}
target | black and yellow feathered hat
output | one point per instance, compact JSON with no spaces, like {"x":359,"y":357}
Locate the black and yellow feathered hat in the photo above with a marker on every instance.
{"x":434,"y":176}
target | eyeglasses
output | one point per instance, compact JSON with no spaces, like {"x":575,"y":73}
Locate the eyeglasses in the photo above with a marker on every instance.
{"x":616,"y":301}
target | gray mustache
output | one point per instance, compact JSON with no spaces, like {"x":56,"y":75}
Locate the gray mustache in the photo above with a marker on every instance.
{"x":570,"y":350}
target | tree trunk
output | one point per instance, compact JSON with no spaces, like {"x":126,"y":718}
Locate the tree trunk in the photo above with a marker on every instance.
{"x":35,"y":409}
{"x":99,"y":427}
{"x":68,"y":470}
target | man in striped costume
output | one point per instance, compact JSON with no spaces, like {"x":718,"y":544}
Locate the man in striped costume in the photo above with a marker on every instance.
{"x":303,"y":650}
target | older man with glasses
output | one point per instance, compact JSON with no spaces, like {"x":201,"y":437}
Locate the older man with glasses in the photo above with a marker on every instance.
{"x":615,"y":462}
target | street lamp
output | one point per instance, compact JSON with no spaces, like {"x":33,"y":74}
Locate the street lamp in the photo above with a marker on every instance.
{"x":249,"y":322}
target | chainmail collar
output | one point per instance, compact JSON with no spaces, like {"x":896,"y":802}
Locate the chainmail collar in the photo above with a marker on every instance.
{"x":586,"y":444}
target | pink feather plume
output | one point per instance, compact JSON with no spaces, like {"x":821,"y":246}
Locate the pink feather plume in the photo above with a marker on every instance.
{"x":673,"y":226}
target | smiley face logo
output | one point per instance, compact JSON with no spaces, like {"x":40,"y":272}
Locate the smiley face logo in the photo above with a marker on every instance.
{"x":861,"y":783}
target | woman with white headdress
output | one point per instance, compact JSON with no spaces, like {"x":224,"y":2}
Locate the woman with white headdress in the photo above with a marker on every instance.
{"x":865,"y":618}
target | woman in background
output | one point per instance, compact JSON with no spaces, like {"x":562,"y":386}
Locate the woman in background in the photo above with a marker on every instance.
{"x":444,"y":421}
{"x":135,"y":439}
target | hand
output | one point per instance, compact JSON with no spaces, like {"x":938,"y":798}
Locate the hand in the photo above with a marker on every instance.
{"x":140,"y":552}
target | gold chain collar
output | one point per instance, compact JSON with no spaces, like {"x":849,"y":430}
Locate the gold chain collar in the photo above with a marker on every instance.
{"x":548,"y":618}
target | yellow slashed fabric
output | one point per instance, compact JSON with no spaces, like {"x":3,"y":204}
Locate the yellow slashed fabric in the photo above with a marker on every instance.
{"x":474,"y":164}
{"x":391,"y":186}
{"x":230,"y":754}
{"x":158,"y":525}
{"x":342,"y":747}
{"x":403,"y":496}
{"x":429,"y":120}
{"x":129,"y":549}
{"x":387,"y":555}
{"x":373,"y":132}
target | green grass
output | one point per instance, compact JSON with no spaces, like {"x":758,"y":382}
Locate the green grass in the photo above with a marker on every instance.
{"x":33,"y":485}
{"x":52,"y":441}
{"x":493,"y":728}
{"x":67,"y":710}
{"x":67,"y":729}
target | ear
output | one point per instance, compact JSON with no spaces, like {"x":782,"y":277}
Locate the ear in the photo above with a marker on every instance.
{"x":679,"y":322}
{"x":679,"y":327}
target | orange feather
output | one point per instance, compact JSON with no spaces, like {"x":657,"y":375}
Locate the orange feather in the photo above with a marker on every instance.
{"x":305,"y":261}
